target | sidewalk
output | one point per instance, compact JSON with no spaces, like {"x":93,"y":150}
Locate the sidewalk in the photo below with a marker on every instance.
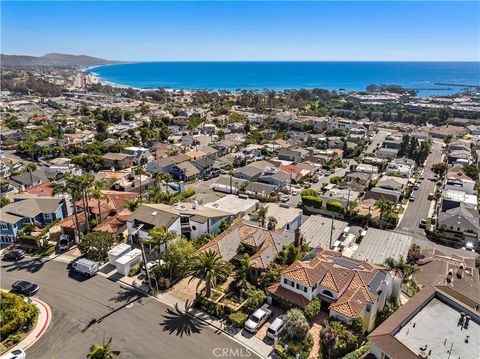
{"x":44,"y":319}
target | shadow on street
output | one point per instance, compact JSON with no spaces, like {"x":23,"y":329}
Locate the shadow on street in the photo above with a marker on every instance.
{"x":181,"y":323}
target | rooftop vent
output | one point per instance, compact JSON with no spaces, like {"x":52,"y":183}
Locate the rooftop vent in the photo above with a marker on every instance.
{"x":154,"y":213}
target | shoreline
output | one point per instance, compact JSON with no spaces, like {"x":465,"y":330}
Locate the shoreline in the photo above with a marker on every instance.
{"x":105,"y":82}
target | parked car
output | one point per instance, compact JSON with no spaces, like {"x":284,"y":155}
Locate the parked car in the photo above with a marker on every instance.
{"x":284,"y":197}
{"x":25,"y":287}
{"x":416,"y":187}
{"x":411,"y":198}
{"x":307,"y":185}
{"x":15,"y":254}
{"x":64,"y":242}
{"x":15,"y":354}
{"x":150,"y":265}
{"x":258,"y":318}
{"x":315,"y":179}
{"x":275,"y":329}
{"x":328,"y":173}
{"x":85,"y":266}
{"x":295,"y":192}
{"x":423,"y":223}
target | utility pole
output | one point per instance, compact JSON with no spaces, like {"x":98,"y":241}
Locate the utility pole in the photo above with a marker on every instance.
{"x":145,"y":265}
{"x":332,"y":227}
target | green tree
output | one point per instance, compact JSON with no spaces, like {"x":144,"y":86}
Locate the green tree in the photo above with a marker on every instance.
{"x":159,"y":240}
{"x":385,"y":207}
{"x":178,"y":257}
{"x":210,"y":268}
{"x":103,"y":351}
{"x":313,"y":309}
{"x":95,"y":245}
{"x":4,"y":201}
{"x":261,"y":215}
{"x":296,"y":325}
{"x":255,"y":299}
{"x":96,"y":192}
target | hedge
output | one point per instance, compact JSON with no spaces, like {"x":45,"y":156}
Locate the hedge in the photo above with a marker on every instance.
{"x":309,"y":193}
{"x":335,"y":206}
{"x":313,"y":309}
{"x":183,"y":195}
{"x":356,"y":354}
{"x":238,"y":319}
{"x":312,"y":201}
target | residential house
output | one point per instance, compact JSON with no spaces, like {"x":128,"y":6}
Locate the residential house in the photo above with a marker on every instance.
{"x":321,"y":231}
{"x":276,"y":178}
{"x":399,"y":169}
{"x":37,"y":211}
{"x":138,"y":154}
{"x":117,"y":161}
{"x":162,"y":165}
{"x":261,"y":244}
{"x":359,"y":177}
{"x":462,"y":157}
{"x":351,"y":288}
{"x":457,"y":180}
{"x":260,"y":190}
{"x":444,"y":131}
{"x":286,"y":218}
{"x":386,"y":153}
{"x":344,"y":196}
{"x":185,"y":171}
{"x":462,"y":222}
{"x":289,"y":154}
{"x":236,"y":206}
{"x":249,"y":172}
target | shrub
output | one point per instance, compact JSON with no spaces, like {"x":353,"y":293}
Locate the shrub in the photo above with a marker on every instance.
{"x":95,"y":245}
{"x":296,"y":325}
{"x":335,"y":179}
{"x":334,"y":206}
{"x":313,"y":309}
{"x":357,"y":326}
{"x":255,"y":299}
{"x":359,"y":352}
{"x":238,"y":319}
{"x":311,"y":201}
{"x":309,"y":193}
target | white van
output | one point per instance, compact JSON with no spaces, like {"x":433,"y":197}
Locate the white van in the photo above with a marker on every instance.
{"x":86,"y":267}
{"x":275,"y":329}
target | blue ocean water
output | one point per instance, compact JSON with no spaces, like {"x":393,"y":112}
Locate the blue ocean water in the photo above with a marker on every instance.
{"x":350,"y":76}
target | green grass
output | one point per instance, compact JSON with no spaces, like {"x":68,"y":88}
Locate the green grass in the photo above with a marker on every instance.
{"x":45,"y":252}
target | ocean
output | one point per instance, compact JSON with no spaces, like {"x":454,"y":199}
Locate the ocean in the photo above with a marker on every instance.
{"x":428,"y":77}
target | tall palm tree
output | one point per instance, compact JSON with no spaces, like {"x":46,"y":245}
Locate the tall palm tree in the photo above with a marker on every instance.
{"x":262,"y":214}
{"x":385,"y":207}
{"x":69,"y":187}
{"x":96,"y":193}
{"x":140,"y":171}
{"x":210,"y":268}
{"x":30,"y":167}
{"x":157,"y":176}
{"x":160,"y":237}
{"x":102,"y":351}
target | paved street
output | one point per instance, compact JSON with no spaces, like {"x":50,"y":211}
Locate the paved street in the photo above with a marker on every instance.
{"x":89,"y":311}
{"x":377,"y":141}
{"x":418,"y":209}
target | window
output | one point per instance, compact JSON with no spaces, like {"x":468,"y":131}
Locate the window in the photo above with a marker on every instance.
{"x":327,"y":293}
{"x":47,"y":215}
{"x":289,"y":282}
{"x":301,"y":287}
{"x":194,"y":228}
{"x":369,"y":307}
{"x":4,"y":226}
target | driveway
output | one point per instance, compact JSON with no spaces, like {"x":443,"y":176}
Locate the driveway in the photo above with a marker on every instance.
{"x":87,"y":311}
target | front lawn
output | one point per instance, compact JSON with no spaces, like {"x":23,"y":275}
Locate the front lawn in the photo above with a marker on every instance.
{"x":46,"y":251}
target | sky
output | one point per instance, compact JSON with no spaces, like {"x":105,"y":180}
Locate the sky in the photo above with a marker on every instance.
{"x":236,"y":31}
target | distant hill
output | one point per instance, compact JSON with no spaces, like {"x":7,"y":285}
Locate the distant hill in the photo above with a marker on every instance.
{"x":53,"y":59}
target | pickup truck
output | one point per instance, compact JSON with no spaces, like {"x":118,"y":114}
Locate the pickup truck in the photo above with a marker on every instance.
{"x":258,"y":318}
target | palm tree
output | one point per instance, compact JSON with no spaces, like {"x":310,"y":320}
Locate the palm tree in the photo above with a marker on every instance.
{"x":208,"y":267}
{"x":102,"y":351}
{"x":96,"y":193}
{"x":30,"y":167}
{"x":385,"y":206}
{"x":140,"y":171}
{"x":262,"y":214}
{"x":160,"y":237}
{"x":156,"y":175}
{"x":271,"y":222}
{"x":69,"y":187}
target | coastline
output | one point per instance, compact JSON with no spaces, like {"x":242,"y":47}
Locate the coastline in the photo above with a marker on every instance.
{"x":175,"y":79}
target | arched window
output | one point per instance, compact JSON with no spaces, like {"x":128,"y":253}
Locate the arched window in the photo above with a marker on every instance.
{"x":327,"y":293}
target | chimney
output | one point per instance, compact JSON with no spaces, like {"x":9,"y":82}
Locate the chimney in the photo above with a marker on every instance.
{"x":298,"y":238}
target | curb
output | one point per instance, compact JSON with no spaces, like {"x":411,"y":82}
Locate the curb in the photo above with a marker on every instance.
{"x":42,"y":331}
{"x":191,"y":315}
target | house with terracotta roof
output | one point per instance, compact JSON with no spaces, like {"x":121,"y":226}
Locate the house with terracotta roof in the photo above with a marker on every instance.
{"x":261,"y":244}
{"x":352,"y":288}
